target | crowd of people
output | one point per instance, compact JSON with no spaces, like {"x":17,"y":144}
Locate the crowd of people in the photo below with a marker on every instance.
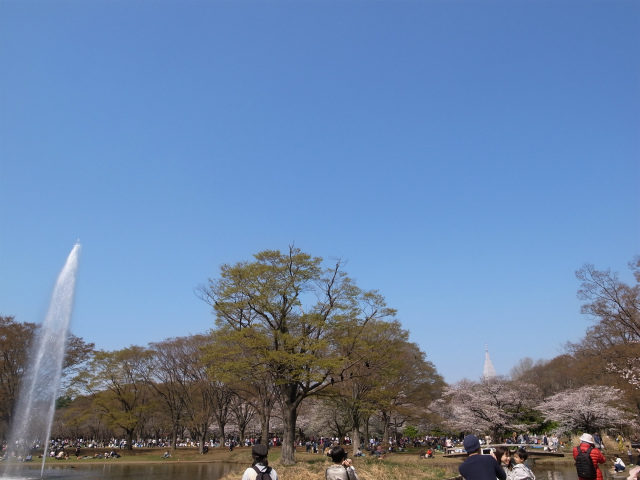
{"x":502,"y":464}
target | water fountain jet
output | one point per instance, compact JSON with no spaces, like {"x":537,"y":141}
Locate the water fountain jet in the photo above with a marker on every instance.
{"x":35,"y":407}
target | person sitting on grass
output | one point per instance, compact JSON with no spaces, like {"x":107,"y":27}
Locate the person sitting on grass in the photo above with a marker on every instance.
{"x":618,"y":464}
{"x":341,"y":468}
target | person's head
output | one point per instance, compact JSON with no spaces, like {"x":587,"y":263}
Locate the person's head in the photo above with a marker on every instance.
{"x":337,"y":454}
{"x":259,"y":453}
{"x":471,"y":444}
{"x":587,"y":438}
{"x":521,"y":455}
{"x":503,"y":455}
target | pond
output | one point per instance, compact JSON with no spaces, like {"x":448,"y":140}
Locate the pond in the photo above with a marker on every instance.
{"x":175,"y":471}
{"x":208,"y":471}
{"x":568,"y":472}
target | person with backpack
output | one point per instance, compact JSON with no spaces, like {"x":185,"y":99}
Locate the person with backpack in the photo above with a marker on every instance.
{"x":260,"y":469}
{"x":341,"y":468}
{"x":587,"y":458}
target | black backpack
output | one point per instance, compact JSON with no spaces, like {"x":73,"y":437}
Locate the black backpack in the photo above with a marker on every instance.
{"x":266,"y":475}
{"x":584,"y":464}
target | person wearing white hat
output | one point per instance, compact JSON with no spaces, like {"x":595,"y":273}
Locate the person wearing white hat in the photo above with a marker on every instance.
{"x":587,"y":445}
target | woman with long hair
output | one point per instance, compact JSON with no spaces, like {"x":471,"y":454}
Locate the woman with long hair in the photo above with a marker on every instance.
{"x":503,"y":455}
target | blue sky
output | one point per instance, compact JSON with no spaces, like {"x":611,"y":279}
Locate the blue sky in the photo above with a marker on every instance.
{"x":464,"y":157}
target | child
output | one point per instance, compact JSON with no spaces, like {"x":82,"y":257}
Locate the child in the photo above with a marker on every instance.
{"x":520,"y":471}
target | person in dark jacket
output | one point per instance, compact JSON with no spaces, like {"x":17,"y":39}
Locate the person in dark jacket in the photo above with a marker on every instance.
{"x":341,"y":468}
{"x":586,"y":441}
{"x":479,"y":467}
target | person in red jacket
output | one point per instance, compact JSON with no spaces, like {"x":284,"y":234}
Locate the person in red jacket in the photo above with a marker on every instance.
{"x":597,"y":457}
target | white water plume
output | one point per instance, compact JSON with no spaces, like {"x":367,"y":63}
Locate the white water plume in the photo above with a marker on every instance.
{"x":33,"y":415}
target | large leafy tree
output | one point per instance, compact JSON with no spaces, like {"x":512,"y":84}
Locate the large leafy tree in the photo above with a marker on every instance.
{"x":116,"y":383}
{"x":251,"y":382}
{"x":405,"y":387}
{"x":15,"y":340}
{"x":169,"y":378}
{"x":391,"y":378}
{"x":292,"y":312}
{"x":205,"y":398}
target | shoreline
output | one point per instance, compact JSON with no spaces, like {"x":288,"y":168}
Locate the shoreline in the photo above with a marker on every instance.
{"x":242,"y":455}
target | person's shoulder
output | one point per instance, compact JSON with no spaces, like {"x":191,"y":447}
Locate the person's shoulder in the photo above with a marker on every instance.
{"x":249,"y":474}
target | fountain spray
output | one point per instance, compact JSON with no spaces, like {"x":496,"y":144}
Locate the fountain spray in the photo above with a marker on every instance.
{"x":33,"y":416}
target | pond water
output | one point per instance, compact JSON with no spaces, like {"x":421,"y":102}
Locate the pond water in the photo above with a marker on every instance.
{"x":568,"y":472}
{"x":205,"y":471}
{"x":174,"y":471}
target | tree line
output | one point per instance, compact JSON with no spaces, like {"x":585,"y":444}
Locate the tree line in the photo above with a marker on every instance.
{"x":299,"y":348}
{"x":593,"y":385}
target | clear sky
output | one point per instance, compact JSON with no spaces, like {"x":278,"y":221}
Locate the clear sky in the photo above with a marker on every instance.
{"x":465,"y":157}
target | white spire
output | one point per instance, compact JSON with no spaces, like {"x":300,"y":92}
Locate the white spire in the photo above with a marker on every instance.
{"x":489,"y":371}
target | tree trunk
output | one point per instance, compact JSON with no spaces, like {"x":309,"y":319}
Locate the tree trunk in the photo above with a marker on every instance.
{"x":289,"y":416}
{"x":355,"y":435}
{"x":355,"y":440}
{"x":174,"y":437}
{"x":385,"y":432}
{"x":221,"y":426}
{"x":203,"y":439}
{"x":265,"y":419}
{"x":129,"y":439}
{"x":366,"y":431}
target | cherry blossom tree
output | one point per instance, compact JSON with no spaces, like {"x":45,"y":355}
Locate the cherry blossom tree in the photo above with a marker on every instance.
{"x":493,"y":405}
{"x":585,"y":409}
{"x":614,"y":306}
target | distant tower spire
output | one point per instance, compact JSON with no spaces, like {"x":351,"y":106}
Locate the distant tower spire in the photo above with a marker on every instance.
{"x":489,"y":371}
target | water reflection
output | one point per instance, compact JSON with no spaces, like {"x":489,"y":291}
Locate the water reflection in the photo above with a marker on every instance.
{"x":564,"y":472}
{"x":175,"y":471}
{"x":204,"y":471}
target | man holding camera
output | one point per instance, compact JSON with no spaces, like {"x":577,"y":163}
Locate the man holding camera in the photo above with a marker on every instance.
{"x":341,"y":468}
{"x":478,"y":466}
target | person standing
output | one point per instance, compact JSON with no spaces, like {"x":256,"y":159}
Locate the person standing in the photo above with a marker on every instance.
{"x":598,"y":441}
{"x":587,"y":442}
{"x":260,"y":464}
{"x":479,"y":467}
